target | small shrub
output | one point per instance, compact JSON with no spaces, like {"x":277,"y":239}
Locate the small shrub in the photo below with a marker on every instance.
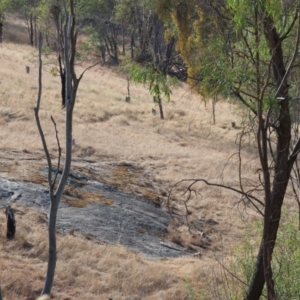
{"x":285,"y":263}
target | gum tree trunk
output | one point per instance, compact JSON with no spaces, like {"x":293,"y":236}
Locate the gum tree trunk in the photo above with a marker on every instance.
{"x":69,"y":50}
{"x":275,"y":192}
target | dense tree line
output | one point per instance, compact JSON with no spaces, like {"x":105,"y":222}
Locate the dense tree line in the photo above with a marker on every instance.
{"x":115,"y":28}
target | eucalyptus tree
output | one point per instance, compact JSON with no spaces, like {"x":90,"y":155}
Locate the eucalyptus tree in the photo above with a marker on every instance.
{"x":28,"y":10}
{"x":248,"y":50}
{"x":149,"y":41}
{"x":70,"y":83}
{"x":158,"y":83}
{"x":2,"y":11}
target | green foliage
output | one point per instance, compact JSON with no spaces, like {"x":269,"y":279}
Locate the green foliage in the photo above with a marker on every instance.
{"x":274,"y":8}
{"x":193,"y":292}
{"x":158,"y":83}
{"x":270,"y":102}
{"x":85,"y":7}
{"x":122,"y":9}
{"x":213,"y":78}
{"x":285,"y":263}
{"x":222,"y":54}
{"x":46,"y":50}
{"x":125,"y":66}
{"x":24,"y":6}
{"x":200,"y":41}
{"x":54,"y":71}
{"x":241,"y":11}
{"x":244,"y":257}
{"x":3,"y":7}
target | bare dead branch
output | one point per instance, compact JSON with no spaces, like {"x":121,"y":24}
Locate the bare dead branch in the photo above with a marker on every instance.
{"x":215,"y":8}
{"x":283,"y":37}
{"x":88,"y":68}
{"x":229,"y":272}
{"x":240,"y":162}
{"x":239,"y":96}
{"x":185,"y":202}
{"x":226,"y":164}
{"x":37,"y":118}
{"x":194,"y":181}
{"x":59,"y":153}
{"x":297,"y":198}
{"x":294,"y":55}
{"x":248,"y":95}
{"x":249,"y":48}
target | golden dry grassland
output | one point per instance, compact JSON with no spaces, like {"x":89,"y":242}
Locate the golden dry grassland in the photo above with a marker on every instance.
{"x":109,"y":130}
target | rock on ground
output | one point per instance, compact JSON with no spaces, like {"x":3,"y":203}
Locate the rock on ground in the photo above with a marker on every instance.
{"x":112,"y":215}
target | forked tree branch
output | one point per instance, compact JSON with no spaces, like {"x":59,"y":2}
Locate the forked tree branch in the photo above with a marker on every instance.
{"x":71,"y":85}
{"x":236,"y":92}
{"x":230,"y":273}
{"x":194,"y":181}
{"x":283,"y":37}
{"x":37,"y":118}
{"x":296,"y":149}
{"x":293,"y":57}
{"x":90,"y":67}
{"x":185,"y":202}
{"x":70,"y":101}
{"x":59,"y":153}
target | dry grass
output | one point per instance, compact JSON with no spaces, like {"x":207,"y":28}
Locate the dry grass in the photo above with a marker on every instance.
{"x":86,"y":267}
{"x":109,"y":130}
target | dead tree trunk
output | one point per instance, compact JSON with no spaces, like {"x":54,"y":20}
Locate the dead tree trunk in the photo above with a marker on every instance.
{"x":132,"y":46}
{"x":213,"y":102}
{"x":11,"y":223}
{"x":1,"y":32}
{"x":31,"y":33}
{"x":71,"y":85}
{"x":123,"y":38}
{"x":35,"y":33}
{"x":69,"y":50}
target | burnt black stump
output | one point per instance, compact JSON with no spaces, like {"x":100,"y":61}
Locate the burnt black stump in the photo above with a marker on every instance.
{"x":11,"y":223}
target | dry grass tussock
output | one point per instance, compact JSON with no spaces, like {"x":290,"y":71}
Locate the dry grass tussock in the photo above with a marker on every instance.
{"x":107,"y":129}
{"x":88,"y":269}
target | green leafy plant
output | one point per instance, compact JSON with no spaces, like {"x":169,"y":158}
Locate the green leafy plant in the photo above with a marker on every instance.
{"x":158,"y":83}
{"x":285,"y":263}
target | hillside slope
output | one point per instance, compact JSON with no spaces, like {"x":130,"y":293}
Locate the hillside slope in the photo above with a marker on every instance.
{"x":113,"y":133}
